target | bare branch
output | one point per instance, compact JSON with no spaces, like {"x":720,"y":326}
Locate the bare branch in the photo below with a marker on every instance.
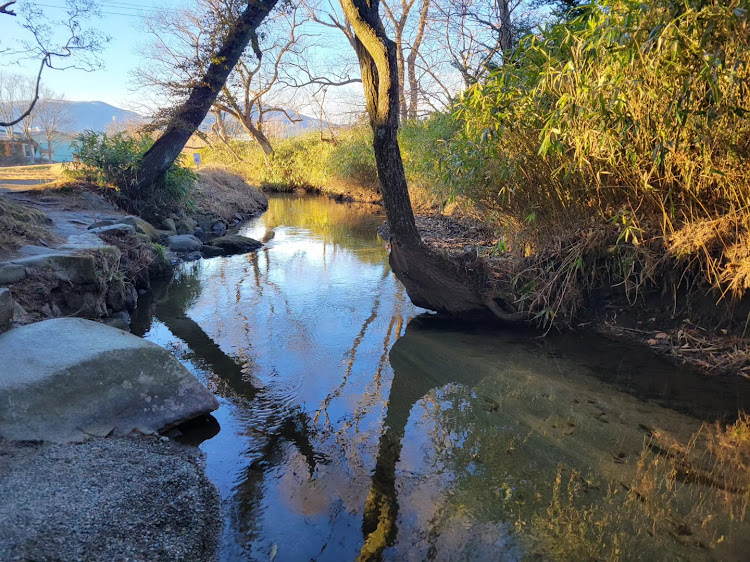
{"x":4,"y":8}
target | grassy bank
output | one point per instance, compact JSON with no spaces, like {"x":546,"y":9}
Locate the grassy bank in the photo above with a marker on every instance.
{"x":342,"y":167}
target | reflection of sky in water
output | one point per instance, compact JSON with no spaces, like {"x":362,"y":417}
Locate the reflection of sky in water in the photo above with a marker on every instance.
{"x":310,"y":461}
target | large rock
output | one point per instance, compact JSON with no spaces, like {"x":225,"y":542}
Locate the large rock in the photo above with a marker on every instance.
{"x":67,"y":379}
{"x":11,"y":273}
{"x":120,"y":229}
{"x":142,"y":227}
{"x":79,"y":269}
{"x":236,"y":244}
{"x":7,"y":306}
{"x":108,"y":499}
{"x":184,"y":243}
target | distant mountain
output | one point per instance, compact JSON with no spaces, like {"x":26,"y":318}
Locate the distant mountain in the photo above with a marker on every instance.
{"x":98,"y":116}
{"x":275,"y":121}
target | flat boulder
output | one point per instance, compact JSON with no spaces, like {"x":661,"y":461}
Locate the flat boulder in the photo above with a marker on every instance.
{"x":184,"y":243}
{"x":120,"y":229}
{"x":79,"y":269}
{"x":67,"y":379}
{"x":236,"y":244}
{"x":11,"y":273}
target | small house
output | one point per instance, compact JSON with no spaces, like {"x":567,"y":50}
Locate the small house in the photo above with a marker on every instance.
{"x":16,"y":149}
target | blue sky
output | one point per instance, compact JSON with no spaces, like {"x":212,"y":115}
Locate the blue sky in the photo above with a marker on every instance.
{"x":121,"y":20}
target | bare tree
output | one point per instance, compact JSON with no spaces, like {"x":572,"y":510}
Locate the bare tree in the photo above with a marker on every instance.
{"x":10,"y":101}
{"x":183,"y":47}
{"x":53,"y":117}
{"x":431,"y":280}
{"x":55,"y":44}
{"x":190,"y":114}
{"x":480,"y":34}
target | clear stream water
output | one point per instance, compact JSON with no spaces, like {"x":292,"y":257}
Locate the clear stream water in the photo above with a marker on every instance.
{"x":354,"y":424}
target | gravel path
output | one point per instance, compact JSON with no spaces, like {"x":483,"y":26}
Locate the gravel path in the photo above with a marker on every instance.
{"x":108,"y":499}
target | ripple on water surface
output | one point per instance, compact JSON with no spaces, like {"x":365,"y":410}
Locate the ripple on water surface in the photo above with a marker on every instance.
{"x":353,"y":426}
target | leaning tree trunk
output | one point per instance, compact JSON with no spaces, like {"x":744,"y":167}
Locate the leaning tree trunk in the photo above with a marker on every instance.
{"x":191,"y":114}
{"x":432,"y":281}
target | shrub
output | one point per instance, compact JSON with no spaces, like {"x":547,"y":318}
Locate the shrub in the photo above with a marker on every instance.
{"x":637,"y":112}
{"x":114,"y":160}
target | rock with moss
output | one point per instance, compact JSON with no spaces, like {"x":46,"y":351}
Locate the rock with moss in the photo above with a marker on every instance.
{"x":6,"y":309}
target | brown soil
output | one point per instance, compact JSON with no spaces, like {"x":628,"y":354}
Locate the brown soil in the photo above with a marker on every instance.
{"x":698,"y":331}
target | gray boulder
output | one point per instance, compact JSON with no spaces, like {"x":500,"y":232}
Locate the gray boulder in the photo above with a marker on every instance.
{"x":11,"y":273}
{"x":142,"y":227}
{"x":67,"y":379}
{"x":236,"y":244}
{"x":168,"y":224}
{"x":219,"y":228}
{"x":80,"y":269}
{"x":7,"y":307}
{"x":184,"y":243}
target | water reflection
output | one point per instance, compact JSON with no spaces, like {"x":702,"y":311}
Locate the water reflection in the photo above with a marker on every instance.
{"x":352,"y":427}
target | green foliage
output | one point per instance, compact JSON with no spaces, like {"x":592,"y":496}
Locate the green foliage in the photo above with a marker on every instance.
{"x":303,"y":161}
{"x":114,"y":160}
{"x":637,"y":106}
{"x":108,"y":159}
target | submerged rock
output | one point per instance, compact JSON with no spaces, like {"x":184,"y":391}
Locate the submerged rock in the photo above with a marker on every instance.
{"x":68,"y":378}
{"x":108,"y":499}
{"x":236,"y":244}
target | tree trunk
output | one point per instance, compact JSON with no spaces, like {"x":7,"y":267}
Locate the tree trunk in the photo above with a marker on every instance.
{"x":191,"y":114}
{"x":257,"y":134}
{"x":400,"y":65}
{"x":431,"y":280}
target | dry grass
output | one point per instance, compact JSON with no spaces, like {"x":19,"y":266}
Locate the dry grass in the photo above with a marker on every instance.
{"x":693,"y":495}
{"x":222,"y":193}
{"x":21,"y":225}
{"x":41,"y":173}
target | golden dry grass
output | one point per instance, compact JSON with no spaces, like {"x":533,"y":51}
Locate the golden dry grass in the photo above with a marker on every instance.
{"x":223,"y":193}
{"x":21,"y":225}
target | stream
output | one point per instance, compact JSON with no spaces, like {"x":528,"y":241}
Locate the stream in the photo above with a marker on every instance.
{"x":354,"y":424}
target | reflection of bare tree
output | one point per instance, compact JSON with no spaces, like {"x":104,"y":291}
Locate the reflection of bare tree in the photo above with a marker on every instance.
{"x":270,"y":420}
{"x":411,"y":381}
{"x":353,"y":351}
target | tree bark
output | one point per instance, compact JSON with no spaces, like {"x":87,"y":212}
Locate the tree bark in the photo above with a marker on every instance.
{"x":431,"y":280}
{"x":193,"y":111}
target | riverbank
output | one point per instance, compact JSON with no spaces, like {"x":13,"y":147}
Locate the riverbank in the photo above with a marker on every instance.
{"x":125,"y":492}
{"x":708,"y":339}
